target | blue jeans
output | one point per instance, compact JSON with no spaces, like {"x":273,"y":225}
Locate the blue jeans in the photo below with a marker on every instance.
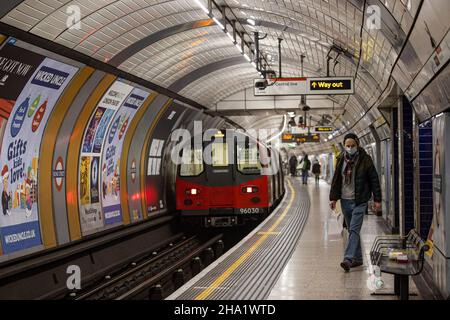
{"x":354,"y":216}
{"x":305,"y":176}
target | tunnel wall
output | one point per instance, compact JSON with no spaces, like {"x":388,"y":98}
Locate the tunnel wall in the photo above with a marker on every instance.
{"x":83,"y":151}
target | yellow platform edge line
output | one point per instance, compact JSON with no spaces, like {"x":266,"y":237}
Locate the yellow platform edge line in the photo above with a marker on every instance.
{"x":225,"y":275}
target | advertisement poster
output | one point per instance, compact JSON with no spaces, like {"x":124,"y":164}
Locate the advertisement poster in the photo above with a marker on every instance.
{"x":94,"y":180}
{"x":92,"y":128}
{"x":85,"y":173}
{"x":19,"y":220}
{"x":101,"y":130}
{"x":438,"y":224}
{"x":91,"y":172}
{"x":154,"y":182}
{"x":110,"y":190}
{"x":16,"y":67}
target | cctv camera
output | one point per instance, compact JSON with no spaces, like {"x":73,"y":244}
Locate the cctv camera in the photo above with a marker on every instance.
{"x":261,"y":84}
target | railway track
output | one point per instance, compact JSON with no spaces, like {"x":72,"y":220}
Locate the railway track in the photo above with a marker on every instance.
{"x":157,"y":275}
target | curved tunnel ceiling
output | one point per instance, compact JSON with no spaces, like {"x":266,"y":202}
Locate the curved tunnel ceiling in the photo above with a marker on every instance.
{"x":174,"y":44}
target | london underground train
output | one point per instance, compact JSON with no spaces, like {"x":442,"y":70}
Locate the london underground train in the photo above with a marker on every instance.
{"x":231,"y":180}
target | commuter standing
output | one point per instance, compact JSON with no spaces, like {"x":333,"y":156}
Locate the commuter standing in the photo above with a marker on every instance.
{"x":305,"y":168}
{"x":293,"y":165}
{"x":354,"y":182}
{"x":316,"y":170}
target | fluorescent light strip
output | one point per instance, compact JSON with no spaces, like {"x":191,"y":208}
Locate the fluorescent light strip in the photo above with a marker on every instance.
{"x":202,"y":6}
{"x":218,"y":23}
{"x":237,"y":44}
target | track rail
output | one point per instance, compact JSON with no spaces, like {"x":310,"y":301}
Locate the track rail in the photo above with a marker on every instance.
{"x":159,"y":274}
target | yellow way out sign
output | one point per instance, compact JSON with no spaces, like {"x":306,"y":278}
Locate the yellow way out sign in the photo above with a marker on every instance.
{"x":341,"y":85}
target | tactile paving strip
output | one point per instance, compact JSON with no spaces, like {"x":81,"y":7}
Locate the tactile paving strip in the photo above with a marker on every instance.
{"x":250,"y":269}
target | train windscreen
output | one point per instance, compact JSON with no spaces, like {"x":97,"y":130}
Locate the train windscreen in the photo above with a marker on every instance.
{"x":248,"y":158}
{"x":192,"y":163}
{"x":219,"y":154}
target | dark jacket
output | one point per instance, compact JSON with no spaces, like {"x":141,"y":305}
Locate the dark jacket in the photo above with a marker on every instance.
{"x":316,"y":168}
{"x":293,"y":162}
{"x":366,"y":179}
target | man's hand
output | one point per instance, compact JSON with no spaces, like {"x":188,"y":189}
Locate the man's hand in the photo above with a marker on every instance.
{"x":333,"y":205}
{"x":376,"y":206}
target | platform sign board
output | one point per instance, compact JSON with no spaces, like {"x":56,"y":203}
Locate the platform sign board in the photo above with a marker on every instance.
{"x":323,"y":129}
{"x":299,"y":130}
{"x":300,"y":138}
{"x":335,"y":85}
{"x":306,"y":86}
{"x":283,"y":87}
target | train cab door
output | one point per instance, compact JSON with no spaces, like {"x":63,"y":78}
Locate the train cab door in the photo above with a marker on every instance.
{"x":220,"y":172}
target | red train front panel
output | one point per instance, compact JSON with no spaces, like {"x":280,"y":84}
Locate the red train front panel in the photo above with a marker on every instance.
{"x":250,"y":197}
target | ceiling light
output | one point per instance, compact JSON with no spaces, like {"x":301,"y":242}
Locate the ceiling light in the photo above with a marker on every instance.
{"x":218,"y":23}
{"x":202,"y":6}
{"x":252,"y":22}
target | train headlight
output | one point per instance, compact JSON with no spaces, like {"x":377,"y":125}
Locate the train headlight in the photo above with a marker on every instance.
{"x":192,"y":191}
{"x":250,"y":189}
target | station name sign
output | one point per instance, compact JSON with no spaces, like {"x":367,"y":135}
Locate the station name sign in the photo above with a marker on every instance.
{"x":306,"y":86}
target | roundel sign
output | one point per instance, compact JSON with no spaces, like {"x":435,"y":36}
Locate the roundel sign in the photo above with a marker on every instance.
{"x":133,"y":170}
{"x":58,"y":174}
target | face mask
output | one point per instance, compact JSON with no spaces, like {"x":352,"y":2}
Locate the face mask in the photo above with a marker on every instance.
{"x":351,"y":151}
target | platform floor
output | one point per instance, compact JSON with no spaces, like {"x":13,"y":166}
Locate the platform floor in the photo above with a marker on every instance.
{"x":313,"y":272}
{"x":290,"y":256}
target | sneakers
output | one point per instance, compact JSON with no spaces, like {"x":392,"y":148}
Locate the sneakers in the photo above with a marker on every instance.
{"x":346,"y":265}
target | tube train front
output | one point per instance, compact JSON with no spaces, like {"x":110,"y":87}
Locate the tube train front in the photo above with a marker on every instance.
{"x":229,"y":181}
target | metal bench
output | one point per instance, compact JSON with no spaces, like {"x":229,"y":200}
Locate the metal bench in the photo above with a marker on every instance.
{"x":413,"y":246}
